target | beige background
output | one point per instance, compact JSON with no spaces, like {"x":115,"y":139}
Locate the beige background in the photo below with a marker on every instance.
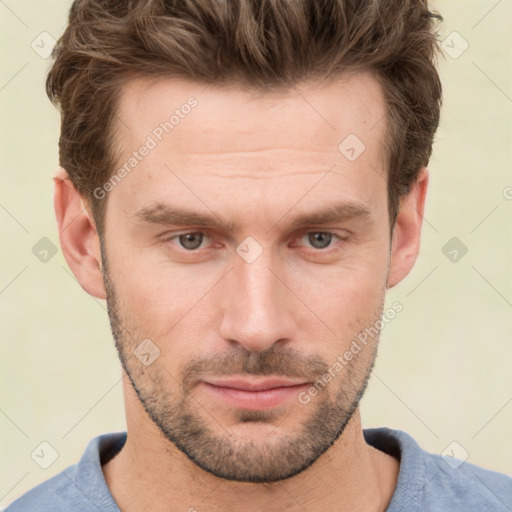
{"x":443,"y":372}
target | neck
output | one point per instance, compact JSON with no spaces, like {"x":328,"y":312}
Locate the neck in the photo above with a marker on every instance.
{"x":351,"y":475}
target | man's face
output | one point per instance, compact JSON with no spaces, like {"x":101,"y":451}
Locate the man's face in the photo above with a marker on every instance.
{"x":258,"y":291}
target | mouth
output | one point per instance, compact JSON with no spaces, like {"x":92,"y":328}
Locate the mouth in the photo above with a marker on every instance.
{"x":254,"y":394}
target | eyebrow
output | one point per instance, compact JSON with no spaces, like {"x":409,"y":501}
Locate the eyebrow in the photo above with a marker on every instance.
{"x":160,"y":213}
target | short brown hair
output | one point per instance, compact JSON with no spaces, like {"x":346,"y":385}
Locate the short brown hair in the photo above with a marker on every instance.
{"x":253,"y":43}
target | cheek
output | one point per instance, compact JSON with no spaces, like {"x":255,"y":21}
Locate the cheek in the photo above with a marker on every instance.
{"x":168,"y":301}
{"x":348,"y":298}
{"x":163,"y":301}
{"x":348,"y":304}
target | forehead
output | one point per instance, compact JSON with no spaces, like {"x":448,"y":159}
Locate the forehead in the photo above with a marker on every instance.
{"x":213,"y":139}
{"x":324,"y":113}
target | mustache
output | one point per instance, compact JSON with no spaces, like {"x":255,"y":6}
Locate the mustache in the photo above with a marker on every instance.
{"x":273,"y":361}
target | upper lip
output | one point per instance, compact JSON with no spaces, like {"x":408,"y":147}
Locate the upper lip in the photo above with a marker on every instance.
{"x":253,"y":384}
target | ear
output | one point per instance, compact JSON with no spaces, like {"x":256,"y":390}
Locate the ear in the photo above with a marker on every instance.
{"x":407,"y":231}
{"x":79,"y":240}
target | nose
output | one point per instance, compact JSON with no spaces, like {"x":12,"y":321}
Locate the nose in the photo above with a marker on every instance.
{"x":257,"y":307}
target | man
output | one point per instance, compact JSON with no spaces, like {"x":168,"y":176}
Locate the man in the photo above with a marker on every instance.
{"x":242,"y":181}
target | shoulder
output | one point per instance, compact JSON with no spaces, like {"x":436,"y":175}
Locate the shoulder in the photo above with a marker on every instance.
{"x":44,"y":497}
{"x":466,"y":486}
{"x":80,"y":487}
{"x":438,"y":482}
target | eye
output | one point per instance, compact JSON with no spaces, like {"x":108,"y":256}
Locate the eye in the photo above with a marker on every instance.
{"x":189,"y":241}
{"x":320,"y":239}
{"x":193,"y":240}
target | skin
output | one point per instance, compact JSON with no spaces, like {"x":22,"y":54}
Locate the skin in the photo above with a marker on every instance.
{"x":257,"y":160}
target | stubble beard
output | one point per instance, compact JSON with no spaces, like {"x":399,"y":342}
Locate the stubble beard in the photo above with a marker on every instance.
{"x":183,"y":421}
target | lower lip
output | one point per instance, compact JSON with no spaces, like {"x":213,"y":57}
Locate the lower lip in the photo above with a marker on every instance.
{"x":255,"y":400}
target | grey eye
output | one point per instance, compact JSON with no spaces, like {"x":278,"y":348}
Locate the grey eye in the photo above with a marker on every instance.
{"x":319,"y":240}
{"x":191,"y":241}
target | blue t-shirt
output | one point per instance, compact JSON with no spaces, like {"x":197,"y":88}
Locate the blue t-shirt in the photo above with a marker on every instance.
{"x":426,"y":482}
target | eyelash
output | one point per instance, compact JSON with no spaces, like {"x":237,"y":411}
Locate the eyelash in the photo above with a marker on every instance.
{"x":191,"y":251}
